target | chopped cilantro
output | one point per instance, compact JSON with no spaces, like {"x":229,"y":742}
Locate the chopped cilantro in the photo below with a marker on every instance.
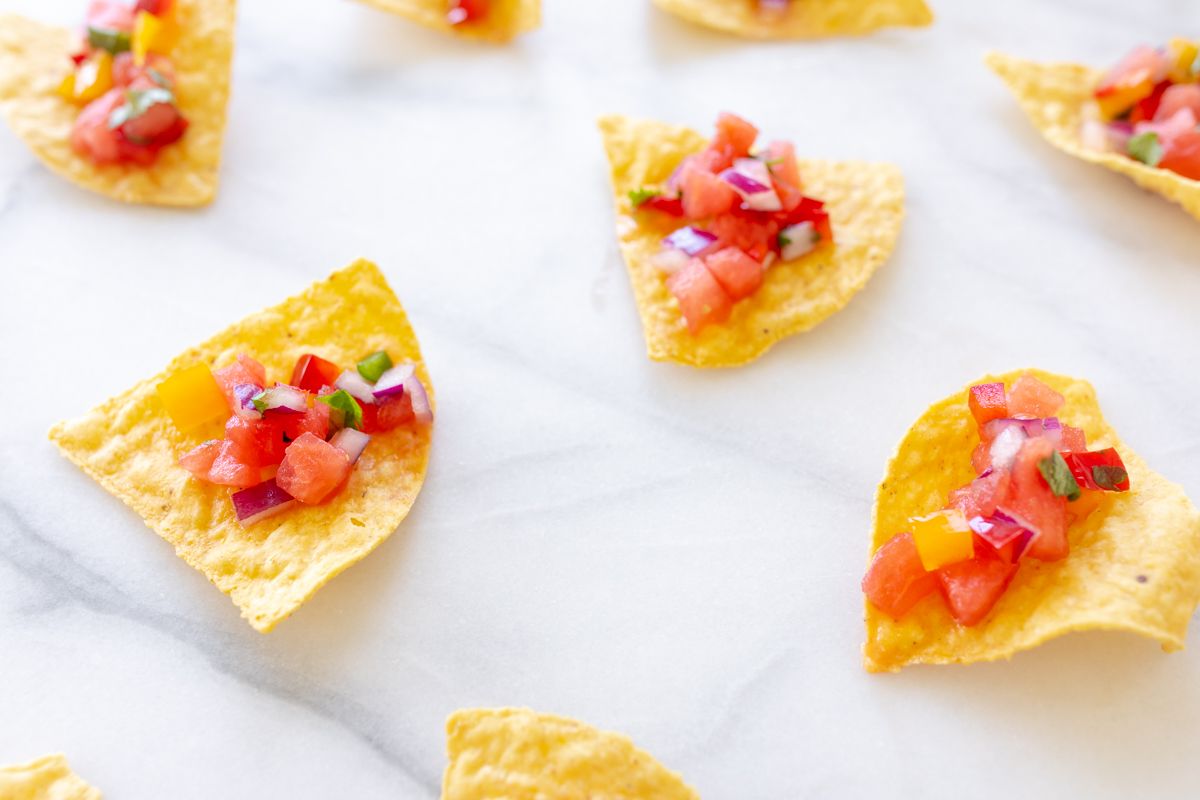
{"x":1109,"y":477}
{"x":346,"y":412}
{"x":1056,"y":472}
{"x":1146,"y":148}
{"x":639,"y":196}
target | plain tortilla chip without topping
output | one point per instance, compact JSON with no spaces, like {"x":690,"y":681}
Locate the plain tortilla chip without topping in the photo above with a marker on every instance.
{"x":47,"y":778}
{"x":804,"y":19}
{"x":131,"y":447}
{"x":1134,"y":563}
{"x":34,"y":58}
{"x":1055,"y":97}
{"x":505,"y":20}
{"x":517,"y":753}
{"x":866,"y":207}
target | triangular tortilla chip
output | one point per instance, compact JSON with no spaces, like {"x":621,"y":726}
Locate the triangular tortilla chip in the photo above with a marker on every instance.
{"x":1134,"y":563}
{"x":1055,"y":96}
{"x":806,"y":19}
{"x":47,"y":778}
{"x":865,"y":203}
{"x":506,"y":19}
{"x":131,"y":447}
{"x":517,"y":753}
{"x":33,"y":61}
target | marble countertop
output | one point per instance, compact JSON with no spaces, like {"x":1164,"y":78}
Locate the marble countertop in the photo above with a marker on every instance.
{"x":671,"y":553}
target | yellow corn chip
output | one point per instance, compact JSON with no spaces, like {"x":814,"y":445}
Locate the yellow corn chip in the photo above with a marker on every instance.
{"x":805,"y":19}
{"x":1056,"y":97}
{"x":33,"y":61}
{"x":518,"y":754}
{"x":1134,"y":563}
{"x":131,"y":447}
{"x":505,"y":20}
{"x":47,"y":778}
{"x":866,"y":206}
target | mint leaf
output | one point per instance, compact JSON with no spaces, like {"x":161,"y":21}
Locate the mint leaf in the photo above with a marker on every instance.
{"x":138,"y":102}
{"x":107,"y":39}
{"x":347,"y":413}
{"x":1145,"y":148}
{"x":374,"y":365}
{"x":783,"y":241}
{"x":1109,"y":477}
{"x":639,"y":196}
{"x":1056,"y":472}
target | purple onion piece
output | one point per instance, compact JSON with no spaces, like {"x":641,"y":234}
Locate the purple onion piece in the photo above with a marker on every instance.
{"x":259,"y":502}
{"x":422,"y":410}
{"x":690,"y":240}
{"x":355,"y":385}
{"x":350,"y":442}
{"x":743,"y":184}
{"x":391,"y":383}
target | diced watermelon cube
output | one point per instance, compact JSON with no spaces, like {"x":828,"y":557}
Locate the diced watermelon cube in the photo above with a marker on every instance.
{"x":785,"y":174}
{"x":199,"y":460}
{"x":234,"y":467}
{"x":701,"y":298}
{"x":987,"y":402}
{"x":1030,"y":397}
{"x":895,"y":581}
{"x":1182,"y":155}
{"x":704,"y":194}
{"x":739,"y":274}
{"x":736,"y":133}
{"x":1032,"y":501}
{"x":312,"y":469}
{"x":972,"y":587}
{"x":315,"y":421}
{"x":1073,"y":440}
{"x":980,"y":497}
{"x":244,"y":370}
{"x":257,"y":440}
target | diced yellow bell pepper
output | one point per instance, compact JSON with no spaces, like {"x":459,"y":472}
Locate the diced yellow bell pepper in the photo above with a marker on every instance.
{"x":153,"y":34}
{"x":1182,"y":54}
{"x":192,"y":397}
{"x":1120,"y":99}
{"x":90,"y":80}
{"x":942,"y":538}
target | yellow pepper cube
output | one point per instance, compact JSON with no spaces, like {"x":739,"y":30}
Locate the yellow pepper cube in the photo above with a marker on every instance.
{"x":192,"y":397}
{"x":1182,"y":53}
{"x":152,"y":34}
{"x":90,"y":80}
{"x":1122,"y":98}
{"x":942,"y":538}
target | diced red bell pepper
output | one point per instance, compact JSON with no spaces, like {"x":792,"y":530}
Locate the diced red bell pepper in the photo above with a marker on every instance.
{"x":464,"y":11}
{"x":313,"y":373}
{"x":701,"y":298}
{"x":1102,"y":469}
{"x":1147,"y":107}
{"x":739,"y":274}
{"x":155,"y":7}
{"x":987,"y":402}
{"x":895,"y":581}
{"x":672,"y":206}
{"x":972,"y":587}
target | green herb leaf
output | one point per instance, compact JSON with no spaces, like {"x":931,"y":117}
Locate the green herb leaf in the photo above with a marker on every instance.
{"x":1109,"y":477}
{"x":374,"y":365}
{"x":1145,"y":148}
{"x":138,"y":102}
{"x":347,"y":413}
{"x":1056,"y":472}
{"x":107,"y":39}
{"x":639,"y":196}
{"x":783,"y":241}
{"x":158,"y":77}
{"x":260,"y":401}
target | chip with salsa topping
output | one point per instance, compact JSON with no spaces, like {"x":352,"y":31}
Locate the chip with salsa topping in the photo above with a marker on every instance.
{"x":132,"y":105}
{"x":1139,"y":118}
{"x":800,"y":19}
{"x":45,"y":778}
{"x":490,"y":20}
{"x":1012,"y":513}
{"x":516,"y":752}
{"x":731,"y":248}
{"x":271,"y":489}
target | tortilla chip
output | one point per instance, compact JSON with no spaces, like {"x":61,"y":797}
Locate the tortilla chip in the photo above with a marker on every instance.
{"x":1134,"y":563}
{"x":131,"y":447}
{"x":1055,"y":97}
{"x":506,"y":19}
{"x":806,"y":19}
{"x":47,"y":778}
{"x":33,"y":61}
{"x":517,"y":753}
{"x":866,"y":206}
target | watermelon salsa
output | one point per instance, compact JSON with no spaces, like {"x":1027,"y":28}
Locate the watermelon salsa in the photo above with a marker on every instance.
{"x":463,"y":12}
{"x":1036,"y":478}
{"x":124,"y":84}
{"x":1149,"y":108}
{"x":290,"y":442}
{"x":739,"y":212}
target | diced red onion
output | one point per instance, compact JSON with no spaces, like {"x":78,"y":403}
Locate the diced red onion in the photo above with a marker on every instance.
{"x":1031,"y":427}
{"x":773,"y":7}
{"x":1005,"y":447}
{"x":751,"y":179}
{"x":391,"y":383}
{"x":1094,"y":135}
{"x":420,"y":400}
{"x":670,"y":260}
{"x":1119,"y":133}
{"x":259,"y":502}
{"x":244,"y":394}
{"x":355,"y":385}
{"x":801,"y":240}
{"x":350,"y":442}
{"x":282,"y":399}
{"x":690,"y":240}
{"x":1001,"y":528}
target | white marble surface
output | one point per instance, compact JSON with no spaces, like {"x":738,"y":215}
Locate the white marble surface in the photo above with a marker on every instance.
{"x":667,"y":552}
